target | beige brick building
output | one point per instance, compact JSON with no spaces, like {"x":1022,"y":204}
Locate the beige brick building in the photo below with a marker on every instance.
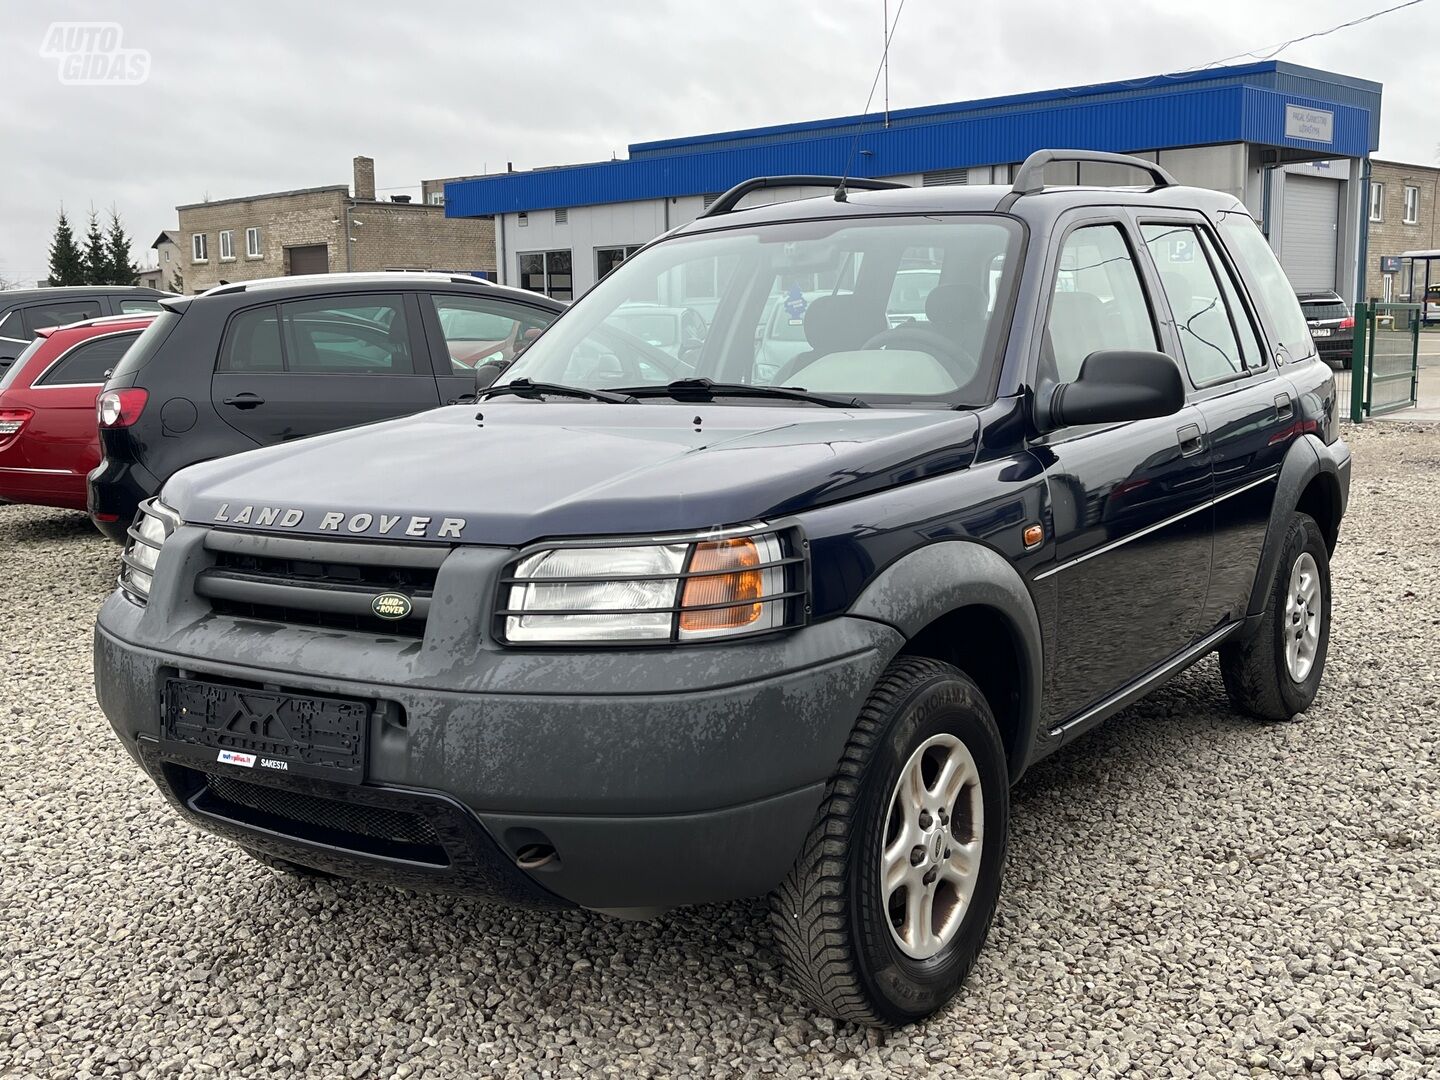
{"x":326,"y":230}
{"x":1402,"y":218}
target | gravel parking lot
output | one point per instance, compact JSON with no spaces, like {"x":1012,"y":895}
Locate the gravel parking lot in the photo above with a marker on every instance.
{"x":1188,"y":893}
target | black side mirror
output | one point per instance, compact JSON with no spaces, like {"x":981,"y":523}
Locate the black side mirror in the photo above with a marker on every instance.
{"x":1114,"y":385}
{"x":487,"y":373}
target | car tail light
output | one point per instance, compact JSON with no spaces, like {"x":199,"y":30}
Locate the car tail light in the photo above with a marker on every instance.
{"x":1347,"y":323}
{"x":120,"y":408}
{"x":12,"y":420}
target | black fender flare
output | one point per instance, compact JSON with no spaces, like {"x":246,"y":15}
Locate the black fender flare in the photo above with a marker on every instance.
{"x":1306,"y":459}
{"x":942,"y":577}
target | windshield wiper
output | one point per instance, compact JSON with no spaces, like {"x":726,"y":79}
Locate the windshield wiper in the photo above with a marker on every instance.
{"x":708,"y":390}
{"x":528,"y":388}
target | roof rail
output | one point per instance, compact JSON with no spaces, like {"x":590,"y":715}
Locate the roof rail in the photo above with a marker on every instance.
{"x":1030,"y":178}
{"x":726,"y":202}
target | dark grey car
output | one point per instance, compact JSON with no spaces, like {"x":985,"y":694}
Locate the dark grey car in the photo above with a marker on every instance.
{"x":26,"y":311}
{"x":1332,"y":325}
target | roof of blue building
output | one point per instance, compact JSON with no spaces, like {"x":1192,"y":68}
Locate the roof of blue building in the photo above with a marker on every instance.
{"x":1246,"y":103}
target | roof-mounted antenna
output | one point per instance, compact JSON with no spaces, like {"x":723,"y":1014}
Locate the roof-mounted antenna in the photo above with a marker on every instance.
{"x":841,"y":193}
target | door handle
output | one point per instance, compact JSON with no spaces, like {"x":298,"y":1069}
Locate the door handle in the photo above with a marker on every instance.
{"x":245,"y":401}
{"x":1191,"y":440}
{"x":1284,"y":407}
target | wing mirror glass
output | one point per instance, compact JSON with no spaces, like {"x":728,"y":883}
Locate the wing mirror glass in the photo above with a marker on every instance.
{"x":1114,"y":385}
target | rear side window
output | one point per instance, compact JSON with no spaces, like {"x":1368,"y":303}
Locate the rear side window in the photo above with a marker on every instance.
{"x":1098,"y":302}
{"x":369,"y":336}
{"x":1276,"y":295}
{"x":253,"y":343}
{"x":135,"y":307}
{"x":477,"y":330}
{"x":59,"y":314}
{"x":12,"y":326}
{"x":1215,"y":334}
{"x":87,"y":363}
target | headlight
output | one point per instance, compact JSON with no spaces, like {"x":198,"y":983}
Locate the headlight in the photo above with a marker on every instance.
{"x":153,"y":526}
{"x":688,"y":588}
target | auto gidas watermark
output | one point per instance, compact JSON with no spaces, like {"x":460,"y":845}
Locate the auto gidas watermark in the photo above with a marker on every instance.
{"x":94,"y":54}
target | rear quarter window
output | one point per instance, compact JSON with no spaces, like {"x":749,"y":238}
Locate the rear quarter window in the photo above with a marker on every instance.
{"x":10,"y":375}
{"x":1277,"y":297}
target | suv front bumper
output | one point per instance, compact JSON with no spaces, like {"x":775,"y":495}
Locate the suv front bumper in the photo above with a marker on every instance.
{"x":659,"y":777}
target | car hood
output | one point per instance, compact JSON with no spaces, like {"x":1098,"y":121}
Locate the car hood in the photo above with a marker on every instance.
{"x":526,"y":470}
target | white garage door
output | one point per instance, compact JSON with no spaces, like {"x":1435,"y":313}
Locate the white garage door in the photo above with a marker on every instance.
{"x":1308,"y":232}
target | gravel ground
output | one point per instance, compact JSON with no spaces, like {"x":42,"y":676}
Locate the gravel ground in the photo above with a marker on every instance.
{"x":1188,"y":893}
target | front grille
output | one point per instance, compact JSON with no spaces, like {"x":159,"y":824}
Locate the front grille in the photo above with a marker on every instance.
{"x":368,"y":624}
{"x":360,"y":826}
{"x":319,"y":583}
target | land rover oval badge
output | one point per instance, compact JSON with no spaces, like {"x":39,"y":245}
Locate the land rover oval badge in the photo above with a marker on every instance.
{"x":391,"y":605}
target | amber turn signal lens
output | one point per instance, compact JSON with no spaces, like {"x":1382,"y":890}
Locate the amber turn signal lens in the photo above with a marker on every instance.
{"x":742,"y":586}
{"x":1033,"y":535}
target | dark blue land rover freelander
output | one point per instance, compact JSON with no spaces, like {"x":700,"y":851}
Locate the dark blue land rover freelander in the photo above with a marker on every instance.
{"x":788,"y":625}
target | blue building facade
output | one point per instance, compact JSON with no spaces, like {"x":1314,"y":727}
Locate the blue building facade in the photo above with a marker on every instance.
{"x":1248,"y":129}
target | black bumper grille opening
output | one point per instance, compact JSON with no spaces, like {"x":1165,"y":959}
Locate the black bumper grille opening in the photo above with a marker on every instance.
{"x":373,"y":830}
{"x":314,"y":572}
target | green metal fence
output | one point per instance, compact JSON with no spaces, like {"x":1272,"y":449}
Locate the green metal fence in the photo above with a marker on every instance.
{"x":1385,"y":368}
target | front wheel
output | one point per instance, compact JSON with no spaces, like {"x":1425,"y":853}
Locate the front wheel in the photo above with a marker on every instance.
{"x":885,"y":910}
{"x":1275,"y":673}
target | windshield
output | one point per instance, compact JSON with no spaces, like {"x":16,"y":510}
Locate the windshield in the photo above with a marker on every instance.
{"x":656,"y":329}
{"x":892,"y":311}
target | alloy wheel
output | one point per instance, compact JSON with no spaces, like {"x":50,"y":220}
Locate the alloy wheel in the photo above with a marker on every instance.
{"x":930,"y":861}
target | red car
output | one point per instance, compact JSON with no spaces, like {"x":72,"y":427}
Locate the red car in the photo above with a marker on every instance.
{"x":48,"y":435}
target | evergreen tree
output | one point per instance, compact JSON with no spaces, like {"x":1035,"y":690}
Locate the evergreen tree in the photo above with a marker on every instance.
{"x":67,"y":265}
{"x":177,"y":281}
{"x":121,"y":271}
{"x":97,"y":259}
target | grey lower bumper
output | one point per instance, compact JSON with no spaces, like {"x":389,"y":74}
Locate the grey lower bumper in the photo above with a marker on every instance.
{"x":660,"y":777}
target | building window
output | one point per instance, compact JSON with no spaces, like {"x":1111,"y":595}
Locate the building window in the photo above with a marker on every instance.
{"x":607,"y":258}
{"x":252,"y":242}
{"x":167,"y":254}
{"x":437,"y":198}
{"x":1412,"y":205}
{"x":1377,"y":202}
{"x":227,"y":244}
{"x":547,"y":272}
{"x":523,"y":219}
{"x":562,"y":216}
{"x":199,"y":248}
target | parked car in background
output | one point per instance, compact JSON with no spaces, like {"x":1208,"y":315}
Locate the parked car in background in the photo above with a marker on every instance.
{"x":25,"y":312}
{"x":1332,"y":325}
{"x":48,"y":440}
{"x":267,"y":361}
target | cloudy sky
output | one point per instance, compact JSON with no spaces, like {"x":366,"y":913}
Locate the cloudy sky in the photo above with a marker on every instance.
{"x":261,"y":96}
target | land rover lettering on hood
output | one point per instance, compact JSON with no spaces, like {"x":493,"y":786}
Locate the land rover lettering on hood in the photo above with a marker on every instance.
{"x":928,"y":483}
